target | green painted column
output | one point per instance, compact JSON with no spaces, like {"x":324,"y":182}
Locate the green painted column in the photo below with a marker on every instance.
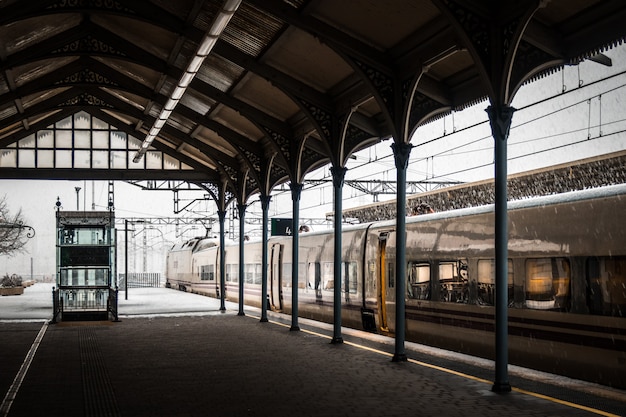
{"x":500,"y":119}
{"x":401,"y":152}
{"x":222,"y":217}
{"x":338,"y":174}
{"x":242,"y":214}
{"x":265,"y":203}
{"x":296,"y":191}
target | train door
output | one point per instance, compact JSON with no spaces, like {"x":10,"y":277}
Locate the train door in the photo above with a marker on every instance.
{"x":276,"y":277}
{"x":382,"y":282}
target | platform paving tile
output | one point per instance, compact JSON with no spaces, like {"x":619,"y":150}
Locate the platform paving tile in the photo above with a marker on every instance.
{"x":222,"y":364}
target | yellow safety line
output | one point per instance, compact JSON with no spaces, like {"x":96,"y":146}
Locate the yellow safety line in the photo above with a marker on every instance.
{"x":461,"y":374}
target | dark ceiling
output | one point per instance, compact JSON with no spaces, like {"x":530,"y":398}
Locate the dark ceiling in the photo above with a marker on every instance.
{"x":288,"y":86}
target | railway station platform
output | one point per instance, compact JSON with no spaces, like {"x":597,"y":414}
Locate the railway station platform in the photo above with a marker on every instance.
{"x":176,"y":354}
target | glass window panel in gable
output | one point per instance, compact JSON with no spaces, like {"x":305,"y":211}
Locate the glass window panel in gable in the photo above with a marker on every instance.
{"x":27,"y":142}
{"x":8,"y":158}
{"x":98,"y":124}
{"x":153,"y":160}
{"x":134,"y":143}
{"x":82,"y":120}
{"x":100,"y":139}
{"x":82,"y":159}
{"x":170,"y":162}
{"x":118,"y":159}
{"x":63,"y":139}
{"x":82,"y":139}
{"x":45,"y":139}
{"x":45,"y":159}
{"x":65,"y":123}
{"x":26,"y":158}
{"x":118,"y":140}
{"x":63,"y":159}
{"x":100,"y":159}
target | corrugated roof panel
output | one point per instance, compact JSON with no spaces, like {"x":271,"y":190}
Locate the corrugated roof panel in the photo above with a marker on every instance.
{"x":7,"y":110}
{"x":219,"y":72}
{"x":251,"y":30}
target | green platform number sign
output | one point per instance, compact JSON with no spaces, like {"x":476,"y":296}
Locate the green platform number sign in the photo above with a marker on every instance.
{"x":281,"y":227}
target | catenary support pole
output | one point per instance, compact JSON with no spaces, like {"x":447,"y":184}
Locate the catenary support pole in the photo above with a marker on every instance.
{"x":500,"y":119}
{"x":401,"y":152}
{"x":242,"y":213}
{"x":222,"y":218}
{"x":265,"y":203}
{"x":296,"y":191}
{"x":338,"y":174}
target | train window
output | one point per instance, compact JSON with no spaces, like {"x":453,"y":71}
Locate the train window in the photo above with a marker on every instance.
{"x":301,"y":275}
{"x":314,"y":278}
{"x":419,"y":281}
{"x":606,"y":286}
{"x":548,"y":284}
{"x":232,"y":273}
{"x":258,"y":271}
{"x":487,"y":282}
{"x":328,"y":276}
{"x":249,"y":273}
{"x":453,"y":282}
{"x":370,"y":277}
{"x":207,"y":272}
{"x":349,"y":277}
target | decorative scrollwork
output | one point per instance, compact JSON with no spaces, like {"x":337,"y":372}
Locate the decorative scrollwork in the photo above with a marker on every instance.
{"x":88,"y":45}
{"x":30,"y":231}
{"x":283,"y":143}
{"x":354,"y":137}
{"x":383,"y":84}
{"x":97,"y":4}
{"x":86,"y":76}
{"x":321,"y":117}
{"x":474,"y":26}
{"x":86,"y":99}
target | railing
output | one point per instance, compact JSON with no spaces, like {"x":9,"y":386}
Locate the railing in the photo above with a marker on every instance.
{"x":112,"y":303}
{"x":77,"y":300}
{"x":140,"y":280}
{"x":56,"y":305}
{"x":84,"y":298}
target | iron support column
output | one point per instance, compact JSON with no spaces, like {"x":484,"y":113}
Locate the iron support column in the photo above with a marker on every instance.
{"x":296,"y":192}
{"x":242,"y":224}
{"x":222,"y":217}
{"x":401,"y":152}
{"x":265,"y":203}
{"x":338,"y":173}
{"x":500,"y":119}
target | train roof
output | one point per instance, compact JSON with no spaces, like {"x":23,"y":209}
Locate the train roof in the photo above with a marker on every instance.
{"x":548,"y":200}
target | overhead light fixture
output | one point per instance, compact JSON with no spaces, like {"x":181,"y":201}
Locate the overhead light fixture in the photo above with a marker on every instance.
{"x":204,"y":49}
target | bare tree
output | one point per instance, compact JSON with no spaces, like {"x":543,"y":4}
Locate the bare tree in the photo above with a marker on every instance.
{"x":13,"y":232}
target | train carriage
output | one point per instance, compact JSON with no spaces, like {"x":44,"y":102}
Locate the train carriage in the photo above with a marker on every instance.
{"x":566,"y":280}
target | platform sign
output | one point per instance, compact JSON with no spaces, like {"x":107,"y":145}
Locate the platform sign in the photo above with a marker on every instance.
{"x":281,"y":226}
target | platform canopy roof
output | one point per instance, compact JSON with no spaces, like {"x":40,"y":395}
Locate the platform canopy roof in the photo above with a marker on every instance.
{"x":248,"y":94}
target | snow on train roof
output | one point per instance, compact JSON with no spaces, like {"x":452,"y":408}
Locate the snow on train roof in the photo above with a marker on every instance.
{"x":562,"y":198}
{"x":572,"y":196}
